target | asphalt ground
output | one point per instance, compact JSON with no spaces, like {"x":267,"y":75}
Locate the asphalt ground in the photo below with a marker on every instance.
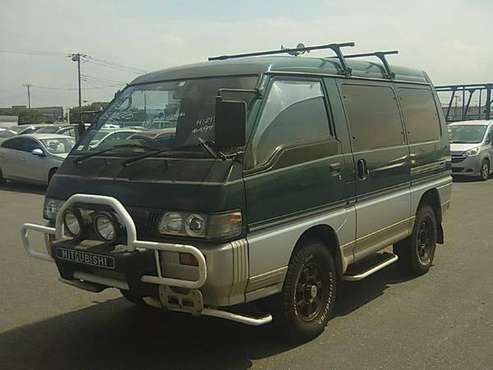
{"x":441,"y":320}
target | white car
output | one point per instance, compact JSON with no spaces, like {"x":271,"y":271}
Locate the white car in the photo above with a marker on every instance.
{"x":33,"y":158}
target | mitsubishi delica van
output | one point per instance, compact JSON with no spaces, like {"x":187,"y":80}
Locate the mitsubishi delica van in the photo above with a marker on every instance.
{"x":263,"y":182}
{"x":471,"y":146}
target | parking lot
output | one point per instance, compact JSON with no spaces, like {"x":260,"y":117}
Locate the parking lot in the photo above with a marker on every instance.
{"x":441,"y":320}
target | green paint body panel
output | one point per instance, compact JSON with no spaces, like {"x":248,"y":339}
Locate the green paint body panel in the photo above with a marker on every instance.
{"x":298,"y":181}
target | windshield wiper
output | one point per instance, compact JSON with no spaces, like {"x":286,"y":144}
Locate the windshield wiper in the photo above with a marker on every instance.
{"x":99,"y":152}
{"x":214,"y":154}
{"x":203,"y":144}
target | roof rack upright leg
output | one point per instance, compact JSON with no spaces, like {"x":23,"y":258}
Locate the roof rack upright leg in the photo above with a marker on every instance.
{"x":336,"y":48}
{"x":380,"y":55}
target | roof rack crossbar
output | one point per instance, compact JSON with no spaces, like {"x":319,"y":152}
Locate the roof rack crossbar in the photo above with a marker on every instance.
{"x":380,"y":55}
{"x":336,"y":48}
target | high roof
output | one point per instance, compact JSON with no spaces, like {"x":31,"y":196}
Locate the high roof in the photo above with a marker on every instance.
{"x":259,"y":65}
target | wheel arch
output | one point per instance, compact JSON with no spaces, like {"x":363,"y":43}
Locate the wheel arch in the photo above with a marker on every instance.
{"x":328,"y":236}
{"x":432,"y":198}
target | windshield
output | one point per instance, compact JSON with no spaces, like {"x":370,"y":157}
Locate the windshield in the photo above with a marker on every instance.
{"x":48,"y":130}
{"x":7,"y":133}
{"x":170,"y":115}
{"x":467,"y":134}
{"x":58,"y":145}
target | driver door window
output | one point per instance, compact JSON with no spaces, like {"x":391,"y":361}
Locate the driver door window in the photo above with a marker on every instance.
{"x":294,"y":114}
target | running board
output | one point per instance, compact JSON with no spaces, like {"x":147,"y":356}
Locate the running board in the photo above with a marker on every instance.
{"x":362,"y":270}
{"x":243,"y":319}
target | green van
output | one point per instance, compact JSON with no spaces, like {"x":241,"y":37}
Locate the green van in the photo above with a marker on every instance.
{"x":265,"y":179}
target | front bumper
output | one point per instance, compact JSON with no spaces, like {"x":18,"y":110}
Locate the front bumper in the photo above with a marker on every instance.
{"x":466,"y":166}
{"x":137,"y":266}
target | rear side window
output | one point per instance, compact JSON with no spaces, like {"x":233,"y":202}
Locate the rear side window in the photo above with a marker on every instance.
{"x":294,"y":114}
{"x":16,"y":144}
{"x":373,"y":116}
{"x":420,"y":115}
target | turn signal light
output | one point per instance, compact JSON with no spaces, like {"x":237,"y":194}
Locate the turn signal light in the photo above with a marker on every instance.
{"x":188,"y":259}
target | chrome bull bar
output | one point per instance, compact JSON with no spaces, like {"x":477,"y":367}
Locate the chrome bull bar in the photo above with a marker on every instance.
{"x":132,"y":242}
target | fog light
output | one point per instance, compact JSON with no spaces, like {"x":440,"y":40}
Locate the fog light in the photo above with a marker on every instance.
{"x":72,"y":221}
{"x":105,"y":226}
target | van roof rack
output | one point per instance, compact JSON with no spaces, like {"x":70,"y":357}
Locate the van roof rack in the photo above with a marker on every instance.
{"x":300,"y":49}
{"x":380,"y":55}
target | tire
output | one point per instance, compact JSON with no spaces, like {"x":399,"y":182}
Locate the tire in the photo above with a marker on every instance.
{"x":2,"y":179}
{"x":309,"y":292}
{"x":485,"y":170}
{"x":133,"y":298}
{"x":416,"y":253}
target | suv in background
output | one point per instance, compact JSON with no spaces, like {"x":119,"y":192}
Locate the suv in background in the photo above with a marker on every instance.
{"x":471,"y":145}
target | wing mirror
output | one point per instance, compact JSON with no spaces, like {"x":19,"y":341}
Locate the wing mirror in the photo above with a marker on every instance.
{"x":230,"y":125}
{"x":38,"y":152}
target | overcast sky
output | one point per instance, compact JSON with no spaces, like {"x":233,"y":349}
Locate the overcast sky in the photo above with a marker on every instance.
{"x":450,"y":39}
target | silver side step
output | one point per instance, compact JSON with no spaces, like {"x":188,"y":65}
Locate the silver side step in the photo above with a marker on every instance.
{"x":243,"y":319}
{"x":379,"y":262}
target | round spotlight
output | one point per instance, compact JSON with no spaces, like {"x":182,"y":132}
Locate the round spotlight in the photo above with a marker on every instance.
{"x":106,"y":227}
{"x":72,"y":220}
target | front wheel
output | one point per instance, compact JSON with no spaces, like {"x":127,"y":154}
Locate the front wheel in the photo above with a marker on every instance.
{"x":485,"y":170}
{"x":309,"y":292}
{"x":131,"y":297}
{"x":416,"y":253}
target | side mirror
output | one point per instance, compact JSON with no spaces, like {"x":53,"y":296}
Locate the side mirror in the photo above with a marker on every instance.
{"x":38,"y":152}
{"x":230,"y":125}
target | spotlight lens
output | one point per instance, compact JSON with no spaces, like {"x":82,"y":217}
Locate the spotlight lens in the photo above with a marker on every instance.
{"x":72,"y":223}
{"x":105,"y":228}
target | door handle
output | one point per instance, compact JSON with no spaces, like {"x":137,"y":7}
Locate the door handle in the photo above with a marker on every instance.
{"x":363,"y":171}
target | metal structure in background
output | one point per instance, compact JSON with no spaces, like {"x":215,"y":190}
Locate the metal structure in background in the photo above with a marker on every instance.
{"x":464,"y":111}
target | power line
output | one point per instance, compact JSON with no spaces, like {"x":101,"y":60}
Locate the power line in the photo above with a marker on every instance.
{"x":33,"y":52}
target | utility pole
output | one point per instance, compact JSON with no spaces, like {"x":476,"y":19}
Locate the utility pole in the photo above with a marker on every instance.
{"x":28,"y":86}
{"x":76,"y":58}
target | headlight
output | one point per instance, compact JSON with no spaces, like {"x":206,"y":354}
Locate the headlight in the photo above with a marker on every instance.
{"x":171,"y":224}
{"x":216,"y":226}
{"x":72,"y":221}
{"x":106,"y":226}
{"x":472,"y":152}
{"x":51,"y":208}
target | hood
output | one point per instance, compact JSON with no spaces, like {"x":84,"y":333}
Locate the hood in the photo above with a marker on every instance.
{"x":201,"y":185}
{"x":459,"y":148}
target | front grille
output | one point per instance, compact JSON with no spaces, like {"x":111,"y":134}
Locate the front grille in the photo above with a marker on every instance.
{"x":457,"y":158}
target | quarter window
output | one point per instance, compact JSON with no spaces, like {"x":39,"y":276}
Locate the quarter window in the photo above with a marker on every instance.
{"x":420,"y":114}
{"x":294,"y":114}
{"x":373,"y":116}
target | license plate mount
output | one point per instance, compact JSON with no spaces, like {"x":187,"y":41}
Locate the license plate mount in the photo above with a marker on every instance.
{"x":85,"y":258}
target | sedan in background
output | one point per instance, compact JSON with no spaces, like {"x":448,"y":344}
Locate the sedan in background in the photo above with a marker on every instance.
{"x":6,"y":133}
{"x":33,"y":158}
{"x":58,"y":129}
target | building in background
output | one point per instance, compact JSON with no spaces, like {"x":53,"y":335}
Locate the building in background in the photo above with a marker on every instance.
{"x":8,"y":121}
{"x":34,"y":115}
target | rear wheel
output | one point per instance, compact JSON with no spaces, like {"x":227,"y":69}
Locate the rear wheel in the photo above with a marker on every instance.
{"x":416,"y":253}
{"x":485,"y":170}
{"x":309,"y":292}
{"x":2,"y":179}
